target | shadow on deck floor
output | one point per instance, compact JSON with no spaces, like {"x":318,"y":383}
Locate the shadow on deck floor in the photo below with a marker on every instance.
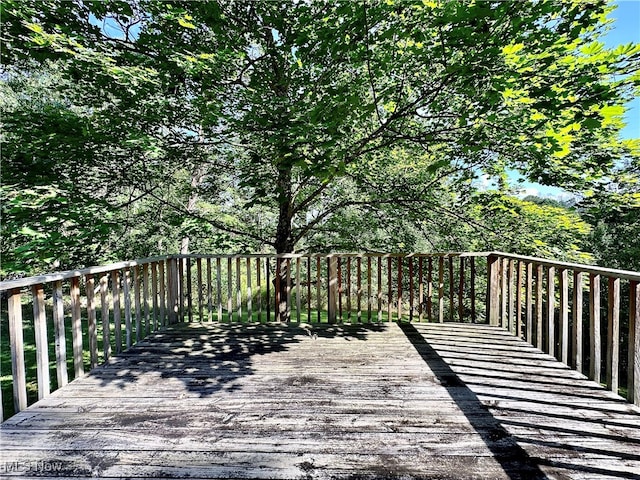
{"x":316,"y":402}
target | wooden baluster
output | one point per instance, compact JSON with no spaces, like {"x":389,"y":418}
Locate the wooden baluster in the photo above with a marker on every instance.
{"x":249,"y":292}
{"x":379,"y":289}
{"x":259,"y":287}
{"x":126,"y":290}
{"x":420,"y":289}
{"x":209,"y":292}
{"x":551,"y":310}
{"x":577,"y":321}
{"x":163,"y":293}
{"x":539,"y":306}
{"x":42,"y":344}
{"x":461,"y":291}
{"x":633,"y":366}
{"x":348,"y":283}
{"x":399,"y":260}
{"x":613,"y":334}
{"x":138,"y":305}
{"x":16,"y":341}
{"x":106,"y":333}
{"x":504,"y":290}
{"x":359,"y":288}
{"x":595,"y":349}
{"x":189,"y":291}
{"x":318,"y":292}
{"x":76,"y":327}
{"x":239,"y":289}
{"x":528,"y":303}
{"x":452,"y":294}
{"x":332,"y":287}
{"x":298,"y":280}
{"x":563,"y":353}
{"x":145,"y":299}
{"x":510,"y":296}
{"x":430,"y":289}
{"x":474,"y":317}
{"x":200,"y":290}
{"x":411,"y":287}
{"x":288,"y":280}
{"x":390,"y":290}
{"x":309,"y":288}
{"x":339,"y":277}
{"x":518,"y":292}
{"x":154,"y":295}
{"x":229,"y":290}
{"x":441,"y":289}
{"x":268,"y":282}
{"x":117,"y":318}
{"x":219,"y":287}
{"x":92,"y":327}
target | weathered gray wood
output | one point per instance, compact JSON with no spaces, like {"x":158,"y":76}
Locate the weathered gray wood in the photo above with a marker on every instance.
{"x":461,"y":279}
{"x":430,"y":290}
{"x":259,"y":285}
{"x":219,"y":287}
{"x":452,"y":294}
{"x":298,"y":282}
{"x":379,"y":283}
{"x":359,"y":289}
{"x":92,"y":324}
{"x":510,"y":295}
{"x":106,"y":330}
{"x":504,"y":293}
{"x":200,"y":290}
{"x":162,"y":285}
{"x":126,"y":292}
{"x":528,"y":303}
{"x":348,"y":289}
{"x":288,"y":290}
{"x":189,"y":285}
{"x":229,"y":290}
{"x":389,"y":290}
{"x":145,"y":300}
{"x":633,"y":368}
{"x":563,"y":285}
{"x":117,"y":318}
{"x":318,"y":288}
{"x":472,"y":283}
{"x":493,"y":290}
{"x":518,"y":293}
{"x":539,"y":305}
{"x":595,"y":355}
{"x":577,"y":337}
{"x":62,"y":375}
{"x":551,"y":312}
{"x":441,"y":289}
{"x":381,"y":401}
{"x":173,"y":302}
{"x":420,"y":289}
{"x":209,"y":291}
{"x":239,"y":289}
{"x":309,"y":282}
{"x":613,"y":334}
{"x":42,"y":344}
{"x":16,"y":340}
{"x":250,"y":293}
{"x":76,"y":327}
{"x":155,"y":312}
{"x":332,"y":288}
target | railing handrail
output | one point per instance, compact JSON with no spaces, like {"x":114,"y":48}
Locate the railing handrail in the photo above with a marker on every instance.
{"x":68,"y":274}
{"x":586,"y":268}
{"x":8,"y":285}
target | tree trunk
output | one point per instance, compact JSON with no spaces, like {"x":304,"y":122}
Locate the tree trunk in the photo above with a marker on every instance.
{"x":283,"y":243}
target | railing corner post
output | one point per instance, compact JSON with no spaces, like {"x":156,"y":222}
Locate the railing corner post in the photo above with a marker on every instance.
{"x":493,"y":290}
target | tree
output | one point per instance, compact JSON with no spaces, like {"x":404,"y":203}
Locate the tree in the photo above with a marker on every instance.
{"x":293,"y":102}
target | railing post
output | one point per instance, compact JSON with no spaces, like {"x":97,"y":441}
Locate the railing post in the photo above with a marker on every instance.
{"x":17,"y":351}
{"x":633,"y":373}
{"x":332,"y":269}
{"x":493,"y":290}
{"x":173,"y":293}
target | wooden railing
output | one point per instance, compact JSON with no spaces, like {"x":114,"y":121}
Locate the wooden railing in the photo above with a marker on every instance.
{"x":82,"y":317}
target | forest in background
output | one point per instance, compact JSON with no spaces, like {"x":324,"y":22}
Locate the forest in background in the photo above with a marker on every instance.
{"x":140,"y":128}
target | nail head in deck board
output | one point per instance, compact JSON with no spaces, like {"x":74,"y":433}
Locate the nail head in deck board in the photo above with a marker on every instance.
{"x":42,"y":343}
{"x":17,"y":350}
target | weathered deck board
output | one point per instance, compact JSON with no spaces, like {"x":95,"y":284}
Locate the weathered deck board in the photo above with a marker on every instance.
{"x":368,"y":401}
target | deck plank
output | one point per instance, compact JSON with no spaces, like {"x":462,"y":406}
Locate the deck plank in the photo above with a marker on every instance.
{"x":320,"y":402}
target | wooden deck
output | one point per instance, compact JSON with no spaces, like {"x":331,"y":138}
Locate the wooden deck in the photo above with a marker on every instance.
{"x":320,"y":402}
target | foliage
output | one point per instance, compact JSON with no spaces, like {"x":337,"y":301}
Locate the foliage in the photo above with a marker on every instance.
{"x":273,"y":125}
